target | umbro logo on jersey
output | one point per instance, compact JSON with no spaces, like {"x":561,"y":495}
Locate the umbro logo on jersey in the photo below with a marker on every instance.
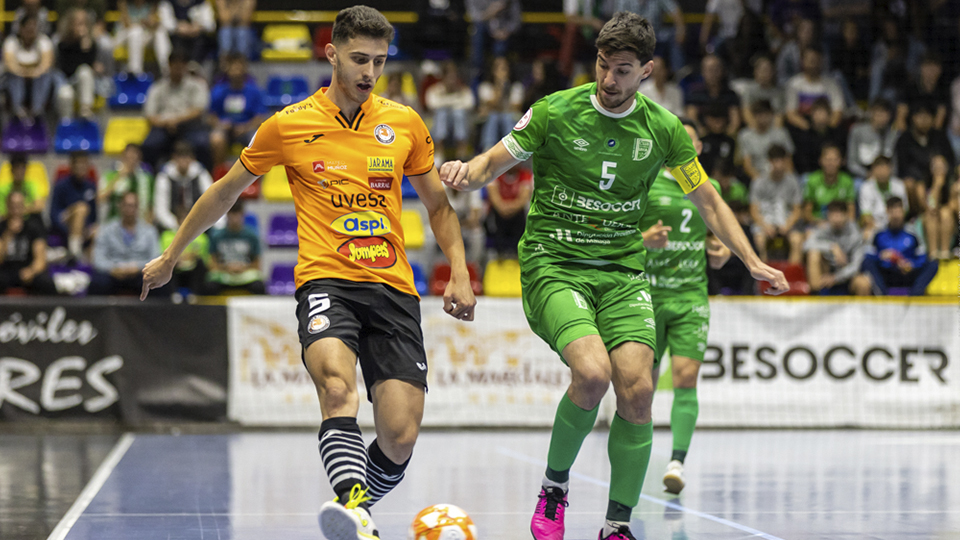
{"x":581,"y":145}
{"x":315,"y":137}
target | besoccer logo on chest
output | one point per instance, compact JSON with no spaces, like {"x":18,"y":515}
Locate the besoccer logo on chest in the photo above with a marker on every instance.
{"x":384,"y":134}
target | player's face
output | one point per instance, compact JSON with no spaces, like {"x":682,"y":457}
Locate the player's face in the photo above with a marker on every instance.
{"x":358,"y":64}
{"x":618,"y":77}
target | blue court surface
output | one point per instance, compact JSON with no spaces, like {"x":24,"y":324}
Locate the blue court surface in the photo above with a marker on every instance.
{"x":741,"y":484}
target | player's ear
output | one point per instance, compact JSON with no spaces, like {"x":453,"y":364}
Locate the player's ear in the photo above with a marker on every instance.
{"x":647,"y":69}
{"x":331,"y":51}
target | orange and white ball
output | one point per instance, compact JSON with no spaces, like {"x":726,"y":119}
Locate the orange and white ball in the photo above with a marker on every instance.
{"x":442,"y":522}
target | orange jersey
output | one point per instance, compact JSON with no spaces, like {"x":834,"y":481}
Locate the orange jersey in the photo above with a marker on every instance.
{"x":345,"y":178}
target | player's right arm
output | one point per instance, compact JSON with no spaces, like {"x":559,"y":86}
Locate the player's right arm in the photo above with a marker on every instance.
{"x":479,"y":171}
{"x":209,"y":208}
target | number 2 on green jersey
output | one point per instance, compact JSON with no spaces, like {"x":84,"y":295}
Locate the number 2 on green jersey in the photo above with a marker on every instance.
{"x":687,"y":214}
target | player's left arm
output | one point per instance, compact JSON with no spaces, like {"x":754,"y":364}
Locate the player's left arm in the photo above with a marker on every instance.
{"x":720,"y":219}
{"x":458,"y":298}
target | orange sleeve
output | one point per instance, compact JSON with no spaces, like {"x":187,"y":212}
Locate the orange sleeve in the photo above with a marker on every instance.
{"x":265,"y":149}
{"x":420,"y":160}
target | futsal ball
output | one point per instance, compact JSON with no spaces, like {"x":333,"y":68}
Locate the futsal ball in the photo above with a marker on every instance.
{"x":442,"y":522}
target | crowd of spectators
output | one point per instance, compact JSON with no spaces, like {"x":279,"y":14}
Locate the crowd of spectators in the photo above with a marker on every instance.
{"x":832,"y":129}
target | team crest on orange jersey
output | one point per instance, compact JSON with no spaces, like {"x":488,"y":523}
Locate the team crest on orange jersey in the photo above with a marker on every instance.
{"x":384,"y":134}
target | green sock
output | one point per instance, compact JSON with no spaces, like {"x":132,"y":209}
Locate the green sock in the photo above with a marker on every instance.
{"x":570,"y":427}
{"x":683,"y":419}
{"x":629,"y":451}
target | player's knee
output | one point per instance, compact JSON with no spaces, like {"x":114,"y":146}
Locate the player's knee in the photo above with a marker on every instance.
{"x":398,"y":443}
{"x":591,"y":381}
{"x":336,"y":393}
{"x":686,"y":377}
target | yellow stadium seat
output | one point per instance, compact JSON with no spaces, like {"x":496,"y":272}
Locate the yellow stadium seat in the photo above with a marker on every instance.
{"x":502,"y":278}
{"x":287,"y":42}
{"x":412,"y":227}
{"x":275,"y":185}
{"x":947,"y":280}
{"x":122,"y":131}
{"x":35,"y":171}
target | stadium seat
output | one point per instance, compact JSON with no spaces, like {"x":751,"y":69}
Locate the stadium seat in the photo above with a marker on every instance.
{"x":35,"y":170}
{"x":321,"y":36}
{"x":275,"y":186}
{"x":18,"y":137}
{"x":251,"y":192}
{"x":285,"y":90}
{"x":252,"y":222}
{"x":796,"y":277}
{"x":412,"y":227}
{"x":946,"y":280}
{"x":419,"y":280}
{"x":441,"y":277}
{"x":502,"y":278}
{"x":123,"y":131}
{"x":406,"y":189}
{"x":77,"y":134}
{"x":131,"y":90}
{"x":281,"y":280}
{"x":286,"y":42}
{"x":282,"y":231}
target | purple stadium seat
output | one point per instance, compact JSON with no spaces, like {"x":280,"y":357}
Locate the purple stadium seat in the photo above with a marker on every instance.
{"x":281,"y":280}
{"x":282,"y":231}
{"x":20,"y":138}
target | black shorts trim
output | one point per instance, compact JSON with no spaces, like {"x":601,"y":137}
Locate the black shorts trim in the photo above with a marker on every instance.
{"x":379,"y":323}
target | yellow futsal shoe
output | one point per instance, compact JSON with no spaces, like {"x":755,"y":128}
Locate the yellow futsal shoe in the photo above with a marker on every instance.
{"x":673,"y":479}
{"x":348,"y":521}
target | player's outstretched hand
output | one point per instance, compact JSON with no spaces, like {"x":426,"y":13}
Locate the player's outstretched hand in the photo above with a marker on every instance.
{"x":656,"y":236}
{"x":454,"y":175}
{"x":458,"y":299}
{"x":778,"y":282}
{"x":156,"y":274}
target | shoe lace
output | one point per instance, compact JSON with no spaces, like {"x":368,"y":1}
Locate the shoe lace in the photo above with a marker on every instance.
{"x":553,"y":498}
{"x":624,"y":532}
{"x":358,"y":495}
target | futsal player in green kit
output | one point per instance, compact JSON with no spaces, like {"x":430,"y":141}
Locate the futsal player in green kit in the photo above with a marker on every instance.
{"x":678,"y":251}
{"x":596,"y":150}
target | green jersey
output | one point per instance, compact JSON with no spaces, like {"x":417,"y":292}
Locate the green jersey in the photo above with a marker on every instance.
{"x":818,"y":192}
{"x":679,"y":269}
{"x":593,"y":170}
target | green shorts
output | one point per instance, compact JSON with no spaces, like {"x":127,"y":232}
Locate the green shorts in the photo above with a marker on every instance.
{"x":565,"y":302}
{"x":682,"y":326}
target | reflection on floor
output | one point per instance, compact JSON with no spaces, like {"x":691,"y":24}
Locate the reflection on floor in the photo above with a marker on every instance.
{"x":768,"y":484}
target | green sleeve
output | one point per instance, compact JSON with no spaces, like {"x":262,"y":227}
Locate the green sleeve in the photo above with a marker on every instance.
{"x":680,"y":150}
{"x":851,"y":190}
{"x":808,"y":189}
{"x":530,"y":132}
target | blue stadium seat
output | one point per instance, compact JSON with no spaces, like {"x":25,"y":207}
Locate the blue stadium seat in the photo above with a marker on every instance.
{"x":282,"y":231}
{"x":252,"y":222}
{"x":131,"y":90}
{"x":77,"y":135}
{"x":285,"y":90}
{"x":18,"y":137}
{"x":419,"y":279}
{"x":281,"y":280}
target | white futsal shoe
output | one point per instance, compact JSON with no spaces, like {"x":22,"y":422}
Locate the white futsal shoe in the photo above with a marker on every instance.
{"x":348,"y":521}
{"x":673,"y":479}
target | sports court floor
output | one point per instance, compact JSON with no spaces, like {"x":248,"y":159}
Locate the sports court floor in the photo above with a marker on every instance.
{"x":741,"y":484}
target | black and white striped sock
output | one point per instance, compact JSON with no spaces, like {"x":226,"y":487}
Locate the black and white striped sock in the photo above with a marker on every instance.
{"x":343,"y":455}
{"x":382,"y":474}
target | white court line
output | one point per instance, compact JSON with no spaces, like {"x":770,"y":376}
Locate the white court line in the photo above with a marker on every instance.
{"x":671,"y":505}
{"x":92,"y":488}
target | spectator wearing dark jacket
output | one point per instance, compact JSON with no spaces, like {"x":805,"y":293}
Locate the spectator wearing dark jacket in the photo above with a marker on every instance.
{"x":916,"y":149}
{"x":897,"y":258}
{"x":23,"y":249}
{"x":73,"y":205}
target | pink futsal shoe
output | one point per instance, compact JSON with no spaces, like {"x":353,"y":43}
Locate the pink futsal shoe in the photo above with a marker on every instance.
{"x":547,"y":522}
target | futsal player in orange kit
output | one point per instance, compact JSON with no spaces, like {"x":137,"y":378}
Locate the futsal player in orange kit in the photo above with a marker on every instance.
{"x":345,"y":152}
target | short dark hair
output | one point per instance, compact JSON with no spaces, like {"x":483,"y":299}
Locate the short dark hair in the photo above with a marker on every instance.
{"x":830,"y":145}
{"x":628,"y":32}
{"x":777,"y":151}
{"x":29,"y":17}
{"x":821,"y":103}
{"x":182,"y":148}
{"x":716,"y":109}
{"x":361,"y":21}
{"x":237,"y":207}
{"x":133,"y":146}
{"x":724,"y":167}
{"x":18,"y":158}
{"x":921,"y":107}
{"x":234,"y":56}
{"x":178,"y":56}
{"x":79,"y":154}
{"x":761,"y":106}
{"x":881,"y":159}
{"x":881,"y":103}
{"x":894,"y":201}
{"x":837,"y":206}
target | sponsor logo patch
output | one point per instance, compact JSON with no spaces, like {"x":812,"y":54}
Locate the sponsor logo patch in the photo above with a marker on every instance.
{"x":319,"y":167}
{"x":581,"y":145}
{"x":384,"y":134}
{"x":524,"y":121}
{"x":365,"y":223}
{"x":318,"y":324}
{"x":372,"y":252}
{"x":383,"y":184}
{"x":380,"y":164}
{"x":641,"y":149}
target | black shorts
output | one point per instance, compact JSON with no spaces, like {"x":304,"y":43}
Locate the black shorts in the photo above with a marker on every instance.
{"x":379,"y":323}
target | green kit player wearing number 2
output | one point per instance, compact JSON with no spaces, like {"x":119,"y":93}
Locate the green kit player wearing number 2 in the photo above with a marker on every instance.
{"x":596,"y":150}
{"x":679,"y":250}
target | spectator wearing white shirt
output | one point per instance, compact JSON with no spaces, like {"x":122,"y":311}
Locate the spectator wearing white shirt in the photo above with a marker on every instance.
{"x":875,"y":192}
{"x":763,"y":86}
{"x":450,"y":101}
{"x":753,"y":143}
{"x":809,"y":85}
{"x":28,"y":60}
{"x":726,"y":14}
{"x":191,"y":24}
{"x":872,"y":139}
{"x":139,"y":27}
{"x":775,"y":205}
{"x":500,"y":101}
{"x":661,"y":89}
